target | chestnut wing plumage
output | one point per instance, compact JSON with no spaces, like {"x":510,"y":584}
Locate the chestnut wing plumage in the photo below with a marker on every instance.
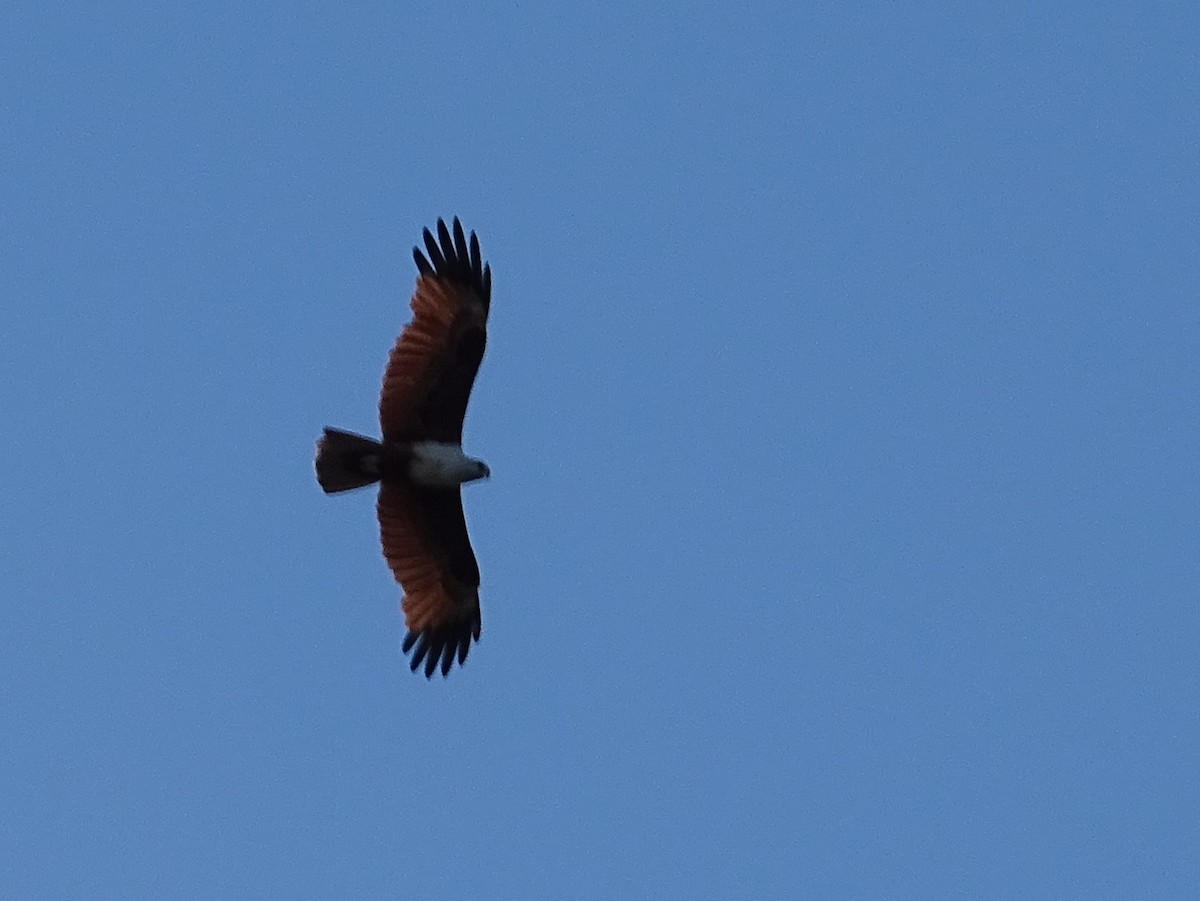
{"x":430,"y":373}
{"x":426,"y":386}
{"x":432,"y":368}
{"x":425,"y":542}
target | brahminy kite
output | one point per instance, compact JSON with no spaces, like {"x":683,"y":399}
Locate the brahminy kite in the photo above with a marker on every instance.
{"x":420,"y":465}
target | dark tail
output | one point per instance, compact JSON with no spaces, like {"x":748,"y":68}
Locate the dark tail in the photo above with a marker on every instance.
{"x":346,"y":460}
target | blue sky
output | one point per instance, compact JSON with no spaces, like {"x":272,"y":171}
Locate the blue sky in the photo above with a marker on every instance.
{"x":841,"y":403}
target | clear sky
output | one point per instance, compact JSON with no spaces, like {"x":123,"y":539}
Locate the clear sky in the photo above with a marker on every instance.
{"x":843,"y":539}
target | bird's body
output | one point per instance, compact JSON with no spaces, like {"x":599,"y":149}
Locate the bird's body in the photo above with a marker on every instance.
{"x":440,"y":464}
{"x":347,"y":461}
{"x":420,"y":464}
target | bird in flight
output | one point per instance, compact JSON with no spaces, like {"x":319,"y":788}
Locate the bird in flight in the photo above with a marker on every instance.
{"x":420,"y":465}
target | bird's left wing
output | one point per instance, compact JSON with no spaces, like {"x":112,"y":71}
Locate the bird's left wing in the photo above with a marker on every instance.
{"x":432,"y":367}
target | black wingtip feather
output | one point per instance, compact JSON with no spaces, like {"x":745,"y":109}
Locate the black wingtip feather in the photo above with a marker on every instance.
{"x":446,"y":242}
{"x":454,"y":255}
{"x":460,"y":246}
{"x":435,"y":252}
{"x":436,"y":650}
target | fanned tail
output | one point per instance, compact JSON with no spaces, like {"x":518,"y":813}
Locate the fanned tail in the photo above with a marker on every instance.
{"x":346,"y":461}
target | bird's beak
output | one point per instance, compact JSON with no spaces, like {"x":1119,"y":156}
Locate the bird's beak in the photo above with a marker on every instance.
{"x":487,"y":473}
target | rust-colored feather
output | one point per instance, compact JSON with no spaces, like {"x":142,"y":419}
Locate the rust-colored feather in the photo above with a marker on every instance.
{"x":430,"y":373}
{"x":425,"y":543}
{"x":433,"y":364}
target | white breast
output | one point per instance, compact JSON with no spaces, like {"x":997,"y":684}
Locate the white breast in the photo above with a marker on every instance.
{"x":440,"y":465}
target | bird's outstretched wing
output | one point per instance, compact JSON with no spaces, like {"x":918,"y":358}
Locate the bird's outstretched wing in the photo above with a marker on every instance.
{"x":427,"y":547}
{"x":433,"y":365}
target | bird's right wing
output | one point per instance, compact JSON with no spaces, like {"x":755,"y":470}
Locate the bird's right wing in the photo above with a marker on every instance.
{"x":425,"y":541}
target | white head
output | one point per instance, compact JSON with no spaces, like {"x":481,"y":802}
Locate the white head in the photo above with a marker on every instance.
{"x":444,"y":465}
